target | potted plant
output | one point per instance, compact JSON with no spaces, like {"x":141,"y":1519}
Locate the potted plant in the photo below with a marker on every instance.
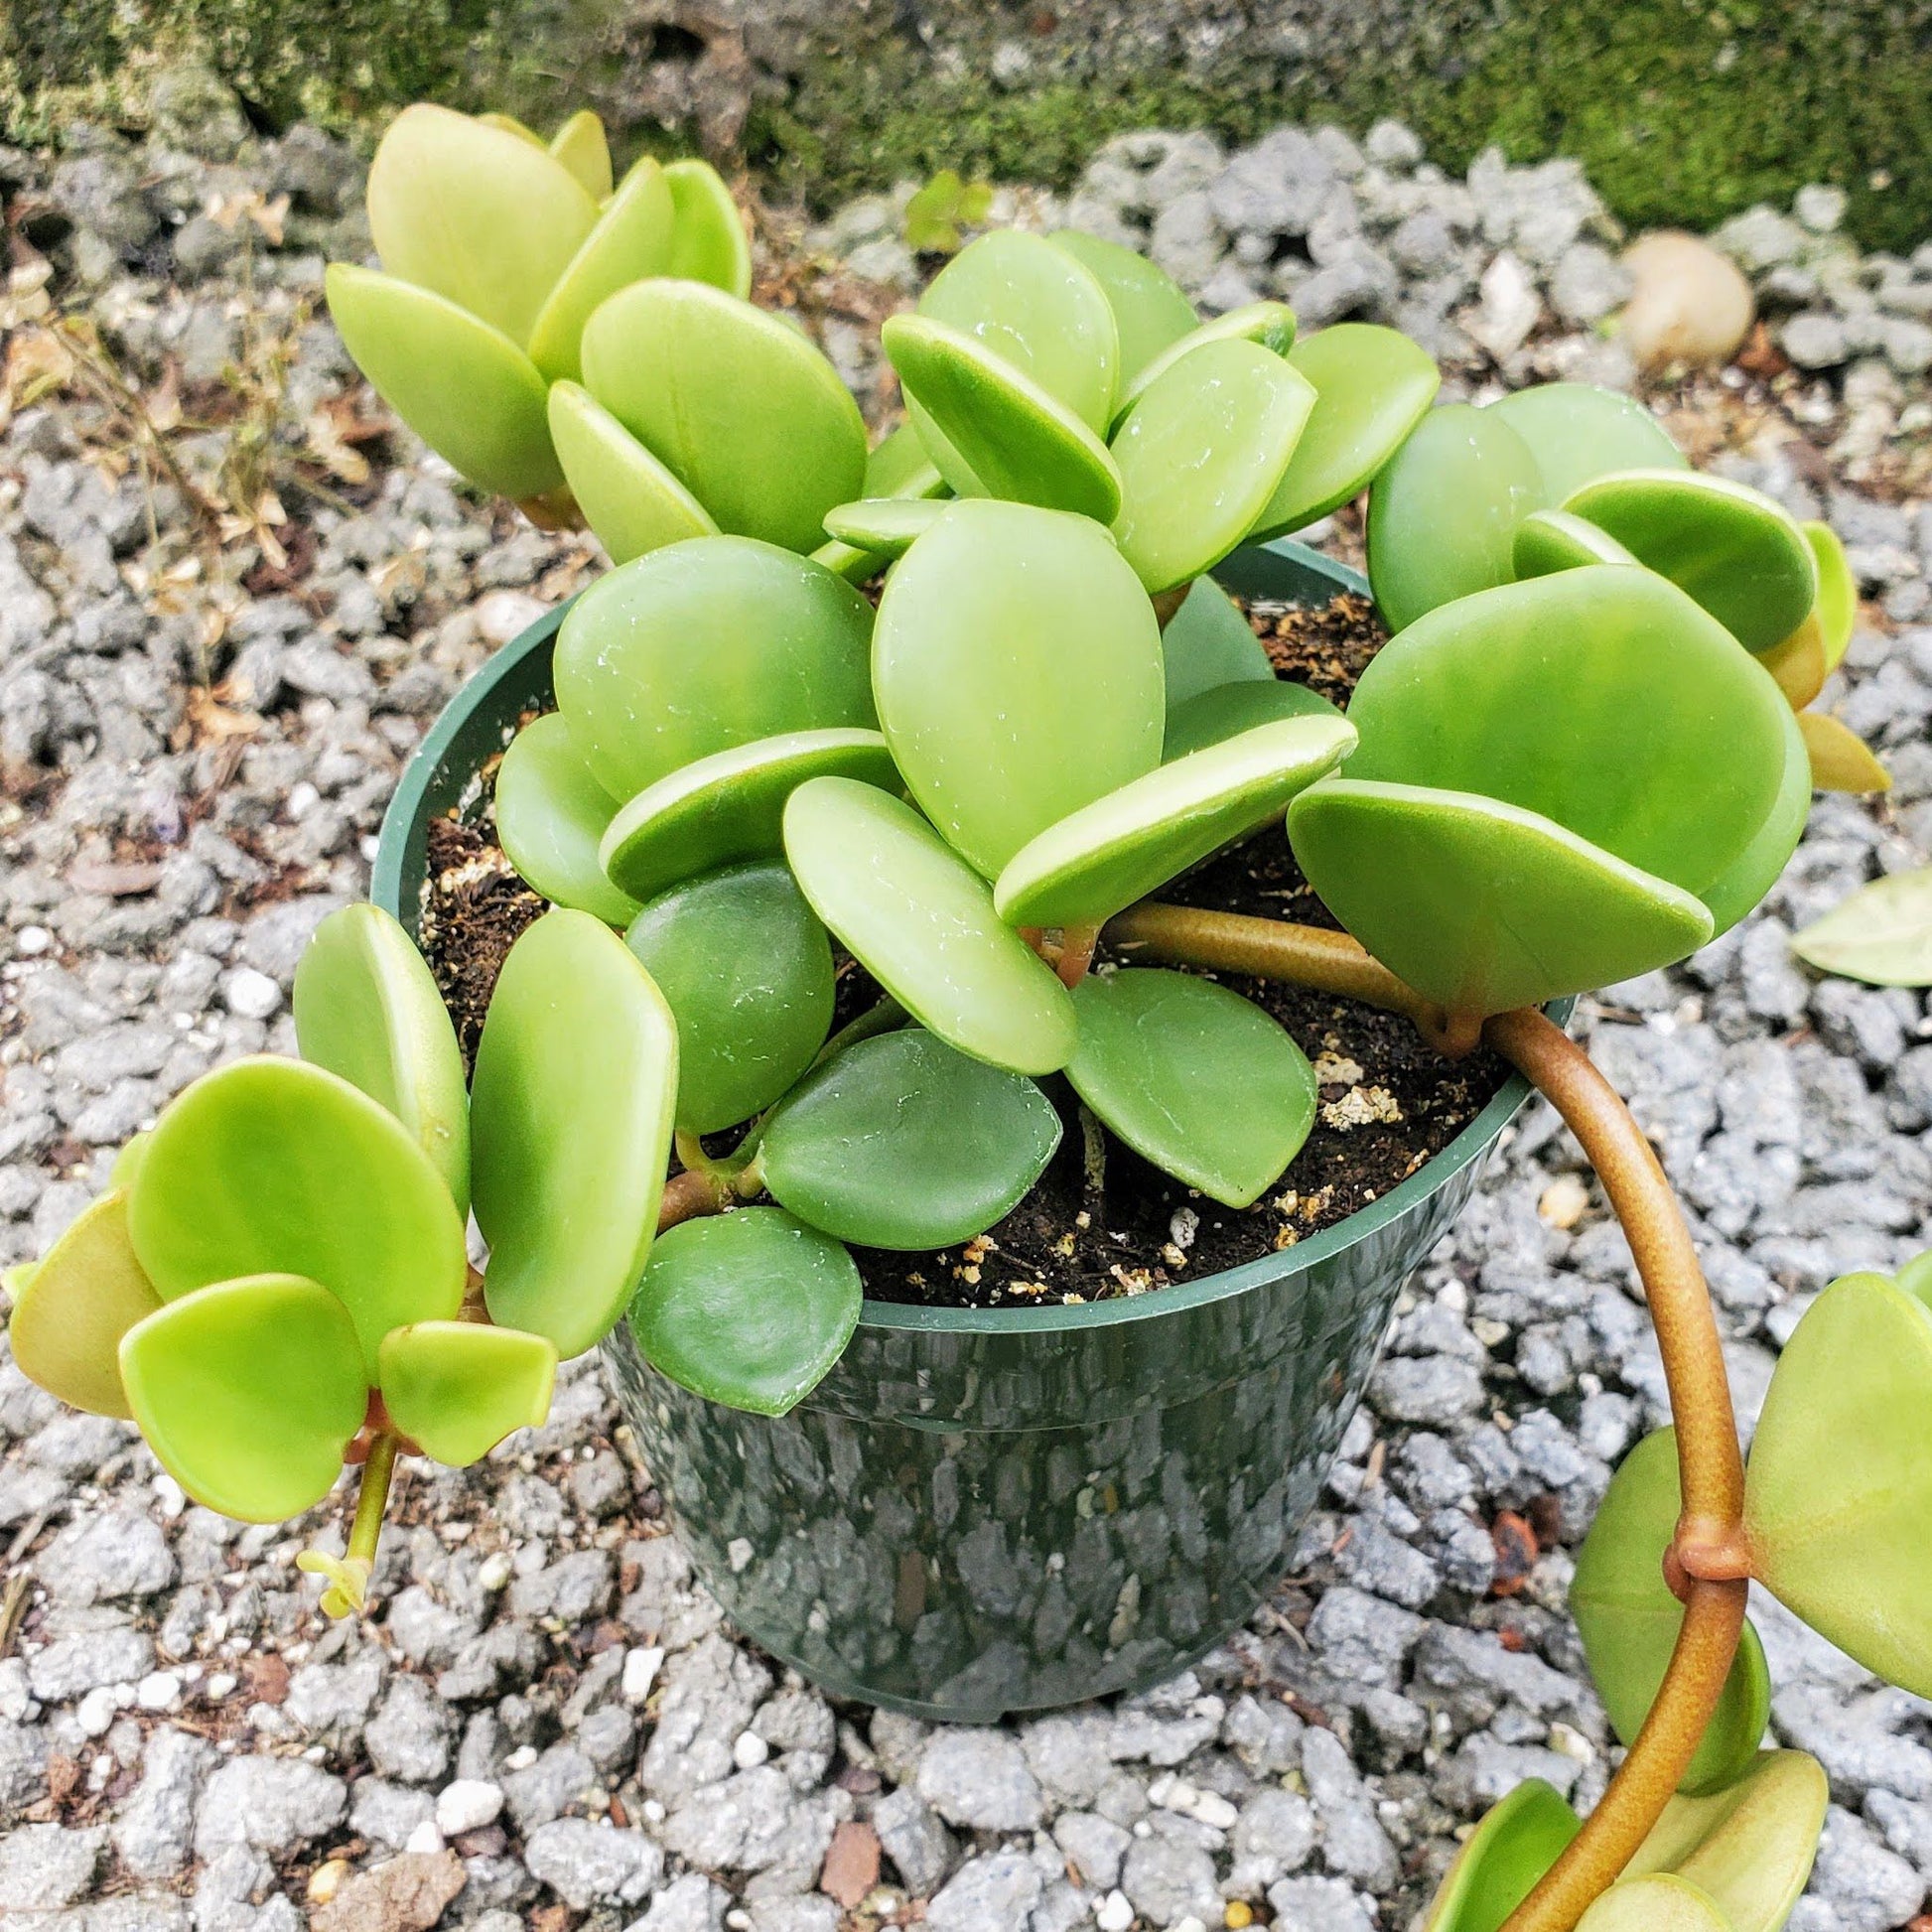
{"x":898,"y":1046}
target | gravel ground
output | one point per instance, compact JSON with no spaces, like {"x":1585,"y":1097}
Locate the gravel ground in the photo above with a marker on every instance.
{"x":229,"y":608}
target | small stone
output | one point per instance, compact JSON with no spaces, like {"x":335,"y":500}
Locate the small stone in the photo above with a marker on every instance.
{"x":45,"y":1867}
{"x":1114,"y":1913}
{"x":1688,"y":304}
{"x":1815,"y":340}
{"x":1819,"y":207}
{"x":272,"y":1804}
{"x":1565,"y":1201}
{"x":1392,"y":145}
{"x":250,"y":995}
{"x":587,"y":1864}
{"x":916,"y":1841}
{"x":468,"y":1805}
{"x":409,"y":1893}
{"x":980,"y":1779}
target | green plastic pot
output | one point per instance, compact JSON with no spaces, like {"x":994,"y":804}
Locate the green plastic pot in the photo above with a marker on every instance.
{"x":984,"y":1511}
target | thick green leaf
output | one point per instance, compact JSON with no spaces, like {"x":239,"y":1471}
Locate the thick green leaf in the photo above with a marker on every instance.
{"x":1629,"y":1619}
{"x":1104,"y":856}
{"x":71,"y":1310}
{"x":272,"y":1167}
{"x":1661,"y":1905}
{"x":1016,"y":665}
{"x":1839,"y":1490}
{"x":708,"y":240}
{"x":249,"y":1393}
{"x":900,"y":467}
{"x":1263,"y":324}
{"x":1753,"y":874}
{"x":902,"y":1141}
{"x":1838,"y":591}
{"x":1000,"y":433}
{"x":572,"y":1107}
{"x":1578,"y":433}
{"x":1193,"y":1078}
{"x":128,"y":1162}
{"x":1551,"y":540}
{"x":1915,"y":1278}
{"x":1443,"y":512}
{"x":368,"y":1008}
{"x":581,"y":146}
{"x":748,"y":971}
{"x":550,"y":816}
{"x":1881,"y":934}
{"x":455,"y":1388}
{"x":631,"y":239}
{"x":1151,"y":308}
{"x":921,"y":922}
{"x":883,"y":526}
{"x":463,"y":386}
{"x":1515,"y":1844}
{"x":737,"y":404}
{"x":1738,"y":553}
{"x":729,"y":808}
{"x":706,"y":644}
{"x":1208,"y":642}
{"x":631,"y":502}
{"x":1226,"y":711}
{"x":1200,"y":453}
{"x":748,"y":1308}
{"x":474,"y":213}
{"x":1750,"y":1847}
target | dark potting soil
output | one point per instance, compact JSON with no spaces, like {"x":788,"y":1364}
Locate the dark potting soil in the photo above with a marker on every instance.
{"x":1102,"y":1222}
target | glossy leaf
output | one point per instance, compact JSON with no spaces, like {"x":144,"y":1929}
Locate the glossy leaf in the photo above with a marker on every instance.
{"x":71,"y":1310}
{"x":746,"y":970}
{"x":455,"y":1388}
{"x":249,"y":1393}
{"x":1837,"y":608}
{"x":708,"y":240}
{"x":368,"y":1008}
{"x":1199,"y":454}
{"x":1664,"y":1903}
{"x":1102,"y":858}
{"x":1268,"y":326}
{"x":1372,"y":386}
{"x":1151,"y":308}
{"x":581,"y":146}
{"x":1745,"y":882}
{"x":902,"y":1141}
{"x":551,"y":814}
{"x":272,"y":1167}
{"x":739,"y":406}
{"x":885,"y":526}
{"x":1578,"y":432}
{"x":631,"y":240}
{"x":1192,"y":1077}
{"x":572,"y":1105}
{"x":921,"y":922}
{"x":475,"y":214}
{"x":631,"y":502}
{"x":1232,"y":709}
{"x":1735,"y":550}
{"x":1839,"y":1488}
{"x":748,"y":1308}
{"x":463,"y":386}
{"x":1881,"y":934}
{"x":900,"y":467}
{"x":1840,"y":761}
{"x":706,"y":644}
{"x":1208,"y":642}
{"x":1443,"y":512}
{"x":1628,"y":1618}
{"x":1000,"y":433}
{"x":1016,"y":665}
{"x":1514,"y":1845}
{"x":729,"y":808}
{"x":1551,"y":540}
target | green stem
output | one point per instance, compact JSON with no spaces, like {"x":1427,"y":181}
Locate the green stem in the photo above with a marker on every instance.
{"x":373,"y":1501}
{"x":725,"y":1168}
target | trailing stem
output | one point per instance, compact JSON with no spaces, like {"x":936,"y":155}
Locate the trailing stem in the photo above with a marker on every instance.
{"x":348,"y":1574}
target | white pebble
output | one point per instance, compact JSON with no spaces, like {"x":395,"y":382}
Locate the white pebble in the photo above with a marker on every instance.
{"x":168,"y":1497}
{"x":739,"y":1551}
{"x":640,"y":1668}
{"x":303,"y":800}
{"x":219,"y":1685}
{"x":98,"y":1710}
{"x":159,"y":1691}
{"x":32,"y":940}
{"x":250,"y":995}
{"x":494,"y":1573}
{"x":521,"y":1759}
{"x":468,"y":1805}
{"x":15,"y":1698}
{"x":1114,"y":1913}
{"x":425,"y":1839}
{"x":749,"y":1751}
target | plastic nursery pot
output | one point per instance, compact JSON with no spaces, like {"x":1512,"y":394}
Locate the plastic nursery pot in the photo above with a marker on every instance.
{"x":982,"y":1511}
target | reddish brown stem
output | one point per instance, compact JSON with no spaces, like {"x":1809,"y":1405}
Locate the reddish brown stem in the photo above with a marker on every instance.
{"x":1077,"y":943}
{"x":690,"y":1194}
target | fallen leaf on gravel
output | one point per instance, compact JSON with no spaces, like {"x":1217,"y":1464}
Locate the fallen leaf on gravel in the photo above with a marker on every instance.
{"x":1881,"y":934}
{"x":408,"y":1894}
{"x":851,"y":1868}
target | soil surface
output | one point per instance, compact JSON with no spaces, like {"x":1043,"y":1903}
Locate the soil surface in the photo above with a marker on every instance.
{"x":1103,"y":1223}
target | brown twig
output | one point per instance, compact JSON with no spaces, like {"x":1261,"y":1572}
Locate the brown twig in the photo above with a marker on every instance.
{"x":690,"y":1194}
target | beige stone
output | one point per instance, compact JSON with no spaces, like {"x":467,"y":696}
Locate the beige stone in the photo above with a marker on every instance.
{"x":1690,"y":305}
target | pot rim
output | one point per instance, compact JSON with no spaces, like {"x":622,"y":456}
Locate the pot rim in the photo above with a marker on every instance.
{"x":506,"y":667}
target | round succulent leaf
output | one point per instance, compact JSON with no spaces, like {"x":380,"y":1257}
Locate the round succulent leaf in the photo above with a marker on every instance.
{"x":455,"y":1388}
{"x":1268,"y":326}
{"x":1553,"y":540}
{"x":1915,"y":1278}
{"x":631,"y":240}
{"x":1882,"y":933}
{"x":1372,"y":386}
{"x":1199,"y":453}
{"x":1664,"y":1903}
{"x":368,"y":1008}
{"x":128,"y":1162}
{"x":1037,"y":309}
{"x":1102,"y":858}
{"x":551,"y":814}
{"x":273,"y":1166}
{"x":1748,"y":1847}
{"x":1503,"y":1859}
{"x":474,"y":213}
{"x":249,"y":1393}
{"x":71,"y":1310}
{"x":1628,"y":1618}
{"x":1017,"y":667}
{"x":1151,"y":308}
{"x":746,"y":970}
{"x":1798,"y":663}
{"x":884,"y":526}
{"x":461,"y":385}
{"x":1194,"y":1079}
{"x":900,"y":467}
{"x":631,"y":502}
{"x":902,"y":1141}
{"x":747,"y":1308}
{"x":1837,"y":609}
{"x":1209,"y":642}
{"x":706,"y":644}
{"x":1229,"y":710}
{"x":1594,"y":697}
{"x":738,"y":405}
{"x":1578,"y":432}
{"x":1442,"y":511}
{"x":1735,"y":551}
{"x":708,"y":240}
{"x":1481,"y":906}
{"x":921,"y":921}
{"x":1000,"y":433}
{"x":512,"y":125}
{"x":580,"y":144}
{"x":1839,"y":1488}
{"x":1838,"y":758}
{"x":1743,"y":883}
